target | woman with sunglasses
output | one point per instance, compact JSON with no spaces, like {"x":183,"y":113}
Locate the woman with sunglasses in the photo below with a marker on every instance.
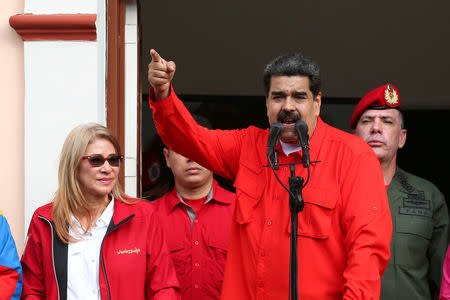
{"x":92,"y":241}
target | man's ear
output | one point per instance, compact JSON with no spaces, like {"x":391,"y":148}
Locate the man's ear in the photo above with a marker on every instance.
{"x":318,"y":103}
{"x":402,"y":140}
{"x":166,"y":156}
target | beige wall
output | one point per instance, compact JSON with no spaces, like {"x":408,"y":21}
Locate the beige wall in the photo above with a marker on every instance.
{"x":12,"y":122}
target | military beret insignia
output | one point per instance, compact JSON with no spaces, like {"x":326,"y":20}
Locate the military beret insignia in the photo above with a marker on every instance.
{"x":383,"y":97}
{"x":390,"y":95}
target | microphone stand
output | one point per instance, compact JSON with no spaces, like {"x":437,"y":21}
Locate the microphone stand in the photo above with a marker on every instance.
{"x":296,"y":205}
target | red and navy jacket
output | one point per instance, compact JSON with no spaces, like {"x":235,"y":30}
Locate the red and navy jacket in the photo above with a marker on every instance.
{"x":134,"y":260}
{"x":10,"y":269}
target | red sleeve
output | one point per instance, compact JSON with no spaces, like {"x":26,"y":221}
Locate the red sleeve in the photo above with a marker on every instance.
{"x":216,"y":150}
{"x":167,"y":294}
{"x":367,"y":224}
{"x":162,"y":282}
{"x":10,"y":269}
{"x":33,"y":277}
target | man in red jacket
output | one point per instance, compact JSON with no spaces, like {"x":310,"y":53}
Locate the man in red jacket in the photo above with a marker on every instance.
{"x":345,"y":227}
{"x":196,"y":216}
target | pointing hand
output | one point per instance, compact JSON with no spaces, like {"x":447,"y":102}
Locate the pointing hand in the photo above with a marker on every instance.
{"x":160,"y":75}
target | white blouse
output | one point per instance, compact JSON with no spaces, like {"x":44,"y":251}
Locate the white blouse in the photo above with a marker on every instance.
{"x":84,"y":257}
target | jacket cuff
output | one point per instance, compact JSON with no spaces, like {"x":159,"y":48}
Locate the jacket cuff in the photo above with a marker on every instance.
{"x":164,"y":108}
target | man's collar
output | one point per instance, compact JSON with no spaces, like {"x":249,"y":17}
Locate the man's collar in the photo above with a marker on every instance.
{"x":215,"y":194}
{"x":289,"y":148}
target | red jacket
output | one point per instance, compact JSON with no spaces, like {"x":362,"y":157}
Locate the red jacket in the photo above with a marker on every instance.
{"x":198,"y":251}
{"x":344,"y":230}
{"x":144,"y":272}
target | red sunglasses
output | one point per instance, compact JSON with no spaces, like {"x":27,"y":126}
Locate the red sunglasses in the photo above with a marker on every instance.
{"x":97,"y":160}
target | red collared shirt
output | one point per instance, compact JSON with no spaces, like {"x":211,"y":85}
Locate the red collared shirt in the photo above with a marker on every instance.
{"x":344,"y":231}
{"x":198,"y":243}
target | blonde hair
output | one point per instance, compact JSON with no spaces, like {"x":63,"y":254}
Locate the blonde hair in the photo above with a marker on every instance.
{"x":69,"y":198}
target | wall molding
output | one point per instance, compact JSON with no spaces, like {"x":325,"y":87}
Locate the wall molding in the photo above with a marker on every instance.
{"x":73,"y":27}
{"x":115,"y":79}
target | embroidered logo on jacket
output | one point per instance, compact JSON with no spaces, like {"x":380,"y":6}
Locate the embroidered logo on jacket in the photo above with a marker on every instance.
{"x":404,"y":182}
{"x":416,"y":205}
{"x":129,"y":251}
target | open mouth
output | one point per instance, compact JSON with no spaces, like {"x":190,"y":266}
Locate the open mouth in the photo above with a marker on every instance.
{"x":288,"y":123}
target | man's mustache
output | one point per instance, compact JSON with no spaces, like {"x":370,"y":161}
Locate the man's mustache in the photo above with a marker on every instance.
{"x":288,"y":115}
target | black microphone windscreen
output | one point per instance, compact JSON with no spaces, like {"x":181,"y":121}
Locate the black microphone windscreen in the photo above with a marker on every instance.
{"x":302,"y":131}
{"x":274,"y":135}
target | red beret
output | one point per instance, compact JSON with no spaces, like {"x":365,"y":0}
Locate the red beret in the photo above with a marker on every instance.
{"x":383,"y":97}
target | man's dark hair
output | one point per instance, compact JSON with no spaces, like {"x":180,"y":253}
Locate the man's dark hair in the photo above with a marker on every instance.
{"x":293,"y":64}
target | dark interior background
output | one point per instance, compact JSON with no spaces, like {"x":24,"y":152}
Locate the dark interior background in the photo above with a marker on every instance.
{"x":221,"y":47}
{"x":426,"y":151}
{"x":424,"y":154}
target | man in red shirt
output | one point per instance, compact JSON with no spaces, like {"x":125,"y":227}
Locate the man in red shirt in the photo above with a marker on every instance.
{"x":196,"y":216}
{"x":345,"y":227}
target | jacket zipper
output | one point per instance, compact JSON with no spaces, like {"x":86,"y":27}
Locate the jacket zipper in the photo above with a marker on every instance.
{"x":102,"y":261}
{"x":53,"y":255}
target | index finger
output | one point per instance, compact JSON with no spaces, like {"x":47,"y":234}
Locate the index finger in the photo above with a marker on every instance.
{"x":155,"y":56}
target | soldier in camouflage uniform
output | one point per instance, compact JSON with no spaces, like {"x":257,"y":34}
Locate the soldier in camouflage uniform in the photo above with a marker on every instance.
{"x":419,"y":212}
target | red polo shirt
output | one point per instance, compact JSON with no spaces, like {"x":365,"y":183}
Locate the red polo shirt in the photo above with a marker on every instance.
{"x":199,"y":246}
{"x":344,"y":231}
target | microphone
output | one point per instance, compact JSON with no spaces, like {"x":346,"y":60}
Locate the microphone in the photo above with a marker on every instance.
{"x":302,"y":131}
{"x":274,"y":135}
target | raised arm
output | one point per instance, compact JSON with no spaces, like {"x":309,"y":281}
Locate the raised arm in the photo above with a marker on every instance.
{"x":217,"y":150}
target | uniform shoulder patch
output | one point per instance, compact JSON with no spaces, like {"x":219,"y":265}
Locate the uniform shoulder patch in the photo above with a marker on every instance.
{"x":404,"y":181}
